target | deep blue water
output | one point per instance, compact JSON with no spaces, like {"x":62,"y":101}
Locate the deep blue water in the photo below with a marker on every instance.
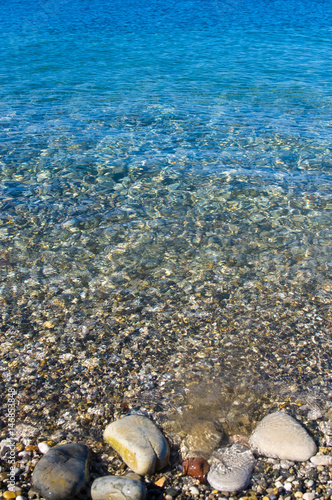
{"x":74,"y":68}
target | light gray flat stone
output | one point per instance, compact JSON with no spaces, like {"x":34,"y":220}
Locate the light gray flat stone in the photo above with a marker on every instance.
{"x":231,"y":468}
{"x":62,"y":472}
{"x":139,"y":442}
{"x":117,"y":488}
{"x":279,"y":435}
{"x":321,"y":460}
{"x":309,"y":496}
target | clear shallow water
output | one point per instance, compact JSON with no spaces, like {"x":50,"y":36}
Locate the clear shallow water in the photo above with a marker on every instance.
{"x":169,"y":164}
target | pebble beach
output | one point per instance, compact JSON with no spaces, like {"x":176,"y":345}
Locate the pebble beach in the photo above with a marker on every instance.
{"x":165,"y":236}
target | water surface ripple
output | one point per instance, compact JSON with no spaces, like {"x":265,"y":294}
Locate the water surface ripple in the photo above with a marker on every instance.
{"x":165,"y":194}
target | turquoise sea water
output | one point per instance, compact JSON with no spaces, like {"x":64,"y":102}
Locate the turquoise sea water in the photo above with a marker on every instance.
{"x":166,"y":158}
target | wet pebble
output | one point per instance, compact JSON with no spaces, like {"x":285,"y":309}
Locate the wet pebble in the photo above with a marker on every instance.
{"x":62,"y":472}
{"x":203,"y":437}
{"x":118,"y":488}
{"x":197,"y":467}
{"x":172,"y":492}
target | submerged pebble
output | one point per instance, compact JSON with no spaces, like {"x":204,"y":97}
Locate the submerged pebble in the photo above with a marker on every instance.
{"x":202,"y":437}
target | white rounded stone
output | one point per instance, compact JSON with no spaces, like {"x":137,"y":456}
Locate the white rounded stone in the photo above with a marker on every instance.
{"x":279,"y":435}
{"x":285,"y":464}
{"x":309,"y":496}
{"x":117,"y":488}
{"x":321,"y":460}
{"x":231,"y":468}
{"x":193,"y":490}
{"x":139,"y":442}
{"x":43,"y":447}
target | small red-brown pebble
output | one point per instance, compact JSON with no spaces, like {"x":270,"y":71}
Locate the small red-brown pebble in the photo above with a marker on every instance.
{"x":196,"y":467}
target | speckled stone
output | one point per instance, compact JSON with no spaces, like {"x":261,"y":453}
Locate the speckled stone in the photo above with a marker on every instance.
{"x":139,"y":442}
{"x":62,"y":472}
{"x":231,"y":468}
{"x":117,"y":488}
{"x":279,"y":435}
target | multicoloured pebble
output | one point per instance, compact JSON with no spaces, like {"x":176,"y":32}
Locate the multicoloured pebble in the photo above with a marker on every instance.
{"x":139,"y":442}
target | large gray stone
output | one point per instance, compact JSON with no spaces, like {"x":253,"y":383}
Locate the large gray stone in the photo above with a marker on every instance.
{"x":62,"y":472}
{"x":139,"y":442}
{"x":231,"y":468}
{"x":117,"y":488}
{"x":279,"y":435}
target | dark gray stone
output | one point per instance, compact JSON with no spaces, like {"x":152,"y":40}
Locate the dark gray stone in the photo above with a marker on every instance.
{"x":62,"y":472}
